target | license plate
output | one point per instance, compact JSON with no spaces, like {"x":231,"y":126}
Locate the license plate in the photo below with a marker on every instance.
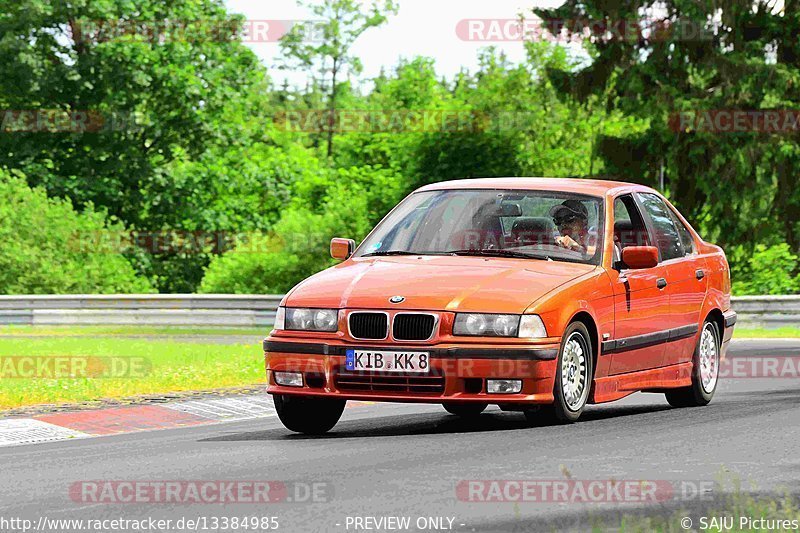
{"x":385,"y":361}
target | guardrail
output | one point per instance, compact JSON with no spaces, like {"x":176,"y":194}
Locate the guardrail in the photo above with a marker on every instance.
{"x":228,"y":310}
{"x":767,"y":311}
{"x":239,"y":310}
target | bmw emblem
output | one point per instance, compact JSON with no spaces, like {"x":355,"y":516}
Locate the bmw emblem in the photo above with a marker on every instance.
{"x":397,"y":299}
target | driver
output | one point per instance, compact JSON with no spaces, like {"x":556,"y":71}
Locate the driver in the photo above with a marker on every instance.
{"x":572,"y":220}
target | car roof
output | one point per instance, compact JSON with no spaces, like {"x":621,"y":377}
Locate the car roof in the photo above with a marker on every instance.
{"x":573,"y":185}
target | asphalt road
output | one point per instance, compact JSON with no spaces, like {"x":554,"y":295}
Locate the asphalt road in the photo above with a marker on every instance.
{"x":407,"y":460}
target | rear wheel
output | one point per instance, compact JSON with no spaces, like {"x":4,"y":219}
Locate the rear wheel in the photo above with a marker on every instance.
{"x":312,"y":416}
{"x":573,"y":378}
{"x":465,"y":410}
{"x":705,"y":373}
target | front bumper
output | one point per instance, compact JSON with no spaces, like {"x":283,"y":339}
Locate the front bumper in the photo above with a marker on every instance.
{"x":458,"y":373}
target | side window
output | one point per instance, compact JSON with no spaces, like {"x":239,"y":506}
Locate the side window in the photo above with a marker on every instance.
{"x":621,"y":213}
{"x":686,"y":235}
{"x":667,"y":237}
{"x":629,"y":228}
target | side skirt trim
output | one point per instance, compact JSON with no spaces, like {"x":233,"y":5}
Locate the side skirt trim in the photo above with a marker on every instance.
{"x":650,"y":339}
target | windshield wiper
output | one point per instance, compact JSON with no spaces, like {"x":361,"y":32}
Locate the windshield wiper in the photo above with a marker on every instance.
{"x":497,"y":253}
{"x":397,"y":252}
{"x":483,"y":252}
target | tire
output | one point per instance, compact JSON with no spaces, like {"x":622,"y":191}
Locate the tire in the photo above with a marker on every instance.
{"x":573,"y":380}
{"x":705,"y":371}
{"x":465,"y":410}
{"x":311,"y":416}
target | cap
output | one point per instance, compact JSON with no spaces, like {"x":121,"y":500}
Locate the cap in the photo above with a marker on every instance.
{"x":569,"y":207}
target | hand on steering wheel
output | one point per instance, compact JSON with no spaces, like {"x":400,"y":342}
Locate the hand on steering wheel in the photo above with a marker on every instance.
{"x":565,"y":241}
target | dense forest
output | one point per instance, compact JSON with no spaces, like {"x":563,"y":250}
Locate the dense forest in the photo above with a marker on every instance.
{"x":134,"y":160}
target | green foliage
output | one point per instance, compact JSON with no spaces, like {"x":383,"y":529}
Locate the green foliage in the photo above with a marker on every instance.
{"x":169,"y":99}
{"x":232,"y":191}
{"x":513,"y":122}
{"x":342,"y":23}
{"x":344,"y":203}
{"x":770,"y":270}
{"x":49,"y":248}
{"x":188,"y":145}
{"x":738,"y":188}
{"x":199,"y":146}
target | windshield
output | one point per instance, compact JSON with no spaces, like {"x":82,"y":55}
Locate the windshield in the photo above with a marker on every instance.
{"x":542,"y":225}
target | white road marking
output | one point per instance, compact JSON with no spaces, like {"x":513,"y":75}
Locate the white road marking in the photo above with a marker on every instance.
{"x":227,"y":409}
{"x":30,"y":431}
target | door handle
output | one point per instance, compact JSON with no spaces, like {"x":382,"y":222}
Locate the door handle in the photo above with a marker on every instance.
{"x":700,"y":274}
{"x":661,"y":283}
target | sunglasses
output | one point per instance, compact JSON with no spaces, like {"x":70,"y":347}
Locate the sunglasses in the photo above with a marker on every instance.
{"x":565,"y":220}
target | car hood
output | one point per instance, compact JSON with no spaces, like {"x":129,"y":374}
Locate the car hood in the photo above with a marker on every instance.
{"x":437,"y":283}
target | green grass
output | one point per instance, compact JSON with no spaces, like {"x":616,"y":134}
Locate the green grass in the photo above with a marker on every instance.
{"x":759,"y":333}
{"x":67,"y":331}
{"x":174,"y":366}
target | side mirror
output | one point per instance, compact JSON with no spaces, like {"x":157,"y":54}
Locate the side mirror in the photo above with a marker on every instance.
{"x":638,"y":257}
{"x":341,"y":249}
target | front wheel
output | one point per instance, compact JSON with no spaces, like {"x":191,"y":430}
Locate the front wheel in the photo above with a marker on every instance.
{"x":573,"y":378}
{"x":312,"y":416}
{"x":465,"y":410}
{"x":705,"y":372}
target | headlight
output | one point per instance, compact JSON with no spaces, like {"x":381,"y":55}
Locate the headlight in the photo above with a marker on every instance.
{"x":303,"y":319}
{"x":480,"y":325}
{"x":485,"y":325}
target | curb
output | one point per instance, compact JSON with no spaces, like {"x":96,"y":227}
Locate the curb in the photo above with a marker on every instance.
{"x":83,"y":424}
{"x":34,"y":411}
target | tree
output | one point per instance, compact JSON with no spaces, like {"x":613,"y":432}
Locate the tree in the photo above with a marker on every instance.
{"x":155,"y":80}
{"x":49,"y":248}
{"x":337,"y":203}
{"x":738,"y":188}
{"x":769,"y":270}
{"x":342,"y":23}
{"x":181,"y":139}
